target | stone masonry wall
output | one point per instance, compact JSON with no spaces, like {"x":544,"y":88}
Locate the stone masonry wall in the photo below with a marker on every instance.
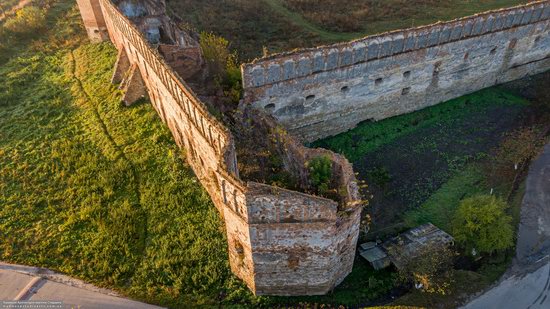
{"x":324,"y":91}
{"x":280,"y":242}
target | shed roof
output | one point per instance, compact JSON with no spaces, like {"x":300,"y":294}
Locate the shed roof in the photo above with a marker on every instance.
{"x":411,"y":244}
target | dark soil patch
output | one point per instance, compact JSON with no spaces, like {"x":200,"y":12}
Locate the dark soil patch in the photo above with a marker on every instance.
{"x":404,"y":172}
{"x":419,"y":163}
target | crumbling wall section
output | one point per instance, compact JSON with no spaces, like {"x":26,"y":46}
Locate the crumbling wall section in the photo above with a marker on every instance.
{"x":324,"y":91}
{"x":317,"y":257}
{"x":296,"y":158}
{"x":297,"y":222}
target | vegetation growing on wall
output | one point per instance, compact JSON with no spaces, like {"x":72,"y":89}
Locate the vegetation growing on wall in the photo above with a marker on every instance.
{"x":222,"y":65}
{"x":320,"y":173}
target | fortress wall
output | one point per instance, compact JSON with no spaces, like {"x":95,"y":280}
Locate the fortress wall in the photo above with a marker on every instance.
{"x":298,"y":222}
{"x":209,"y":145}
{"x":324,"y":91}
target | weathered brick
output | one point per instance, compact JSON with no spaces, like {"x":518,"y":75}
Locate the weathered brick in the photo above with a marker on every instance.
{"x":258,"y":78}
{"x":372,"y":51}
{"x":468,"y":27}
{"x":319,"y":62}
{"x":397,"y":45}
{"x":385,"y":47}
{"x":304,"y":66}
{"x":332,"y":59}
{"x":488,"y":25}
{"x":410,"y":43}
{"x":527,"y":16}
{"x":346,"y":57}
{"x":433,"y":38}
{"x":359,"y":52}
{"x":288,"y":69}
{"x":273,"y":73}
{"x":445,"y":35}
{"x":456,"y":32}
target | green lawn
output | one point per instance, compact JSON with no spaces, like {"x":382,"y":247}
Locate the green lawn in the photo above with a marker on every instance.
{"x":440,"y":207}
{"x":94,"y":189}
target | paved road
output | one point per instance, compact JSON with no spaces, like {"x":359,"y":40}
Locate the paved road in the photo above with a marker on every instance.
{"x":527,"y":283}
{"x":534,"y":230}
{"x":518,"y":292}
{"x":32,"y":284}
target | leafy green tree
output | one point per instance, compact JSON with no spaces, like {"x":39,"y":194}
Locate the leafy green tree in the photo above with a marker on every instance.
{"x":481,"y":223}
{"x":320,"y":173}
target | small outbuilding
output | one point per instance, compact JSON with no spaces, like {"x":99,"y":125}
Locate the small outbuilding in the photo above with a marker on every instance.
{"x":374,"y":255}
{"x":405,"y":247}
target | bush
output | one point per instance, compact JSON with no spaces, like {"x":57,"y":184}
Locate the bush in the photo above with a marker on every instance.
{"x":481,"y":223}
{"x":520,"y":147}
{"x":320,"y":173}
{"x":222,"y":64}
{"x":27,"y":20}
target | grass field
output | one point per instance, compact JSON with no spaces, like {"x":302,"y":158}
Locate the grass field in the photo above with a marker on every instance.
{"x":282,"y":25}
{"x":373,"y":16}
{"x":406,"y":159}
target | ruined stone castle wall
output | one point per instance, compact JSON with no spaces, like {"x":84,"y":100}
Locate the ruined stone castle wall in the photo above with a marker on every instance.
{"x":324,"y":91}
{"x":280,"y":242}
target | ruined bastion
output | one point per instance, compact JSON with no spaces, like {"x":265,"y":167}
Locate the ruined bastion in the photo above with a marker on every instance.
{"x":328,"y":90}
{"x":280,"y":242}
{"x":283,"y":242}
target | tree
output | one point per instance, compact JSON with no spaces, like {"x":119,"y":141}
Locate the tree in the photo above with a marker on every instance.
{"x":481,"y":223}
{"x":222,"y":64}
{"x":520,"y":146}
{"x":431,"y":271}
{"x":320,"y":173}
